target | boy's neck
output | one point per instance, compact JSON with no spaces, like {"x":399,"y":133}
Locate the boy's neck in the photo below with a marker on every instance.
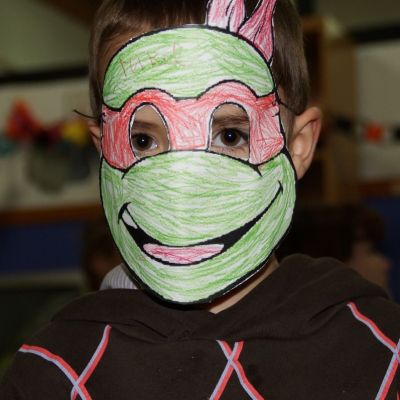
{"x":243,"y":290}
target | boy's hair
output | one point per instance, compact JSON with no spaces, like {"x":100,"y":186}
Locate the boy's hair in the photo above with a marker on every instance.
{"x":121,"y":17}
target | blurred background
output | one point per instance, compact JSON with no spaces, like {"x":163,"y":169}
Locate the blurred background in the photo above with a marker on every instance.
{"x":54,"y":244}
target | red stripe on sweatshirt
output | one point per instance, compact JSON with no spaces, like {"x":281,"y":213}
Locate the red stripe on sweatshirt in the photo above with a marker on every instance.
{"x":61,"y":364}
{"x":387,"y":382}
{"x":235,"y":364}
{"x":94,"y":361}
{"x":387,"y":342}
{"x":372,"y":326}
{"x":221,"y":386}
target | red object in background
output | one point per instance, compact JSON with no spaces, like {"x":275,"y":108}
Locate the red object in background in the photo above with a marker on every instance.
{"x":374,"y":132}
{"x":53,"y":132}
{"x":21,"y":125}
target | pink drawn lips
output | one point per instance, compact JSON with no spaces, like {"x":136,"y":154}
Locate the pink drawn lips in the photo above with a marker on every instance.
{"x":185,"y":255}
{"x":178,"y":256}
{"x":171,"y":255}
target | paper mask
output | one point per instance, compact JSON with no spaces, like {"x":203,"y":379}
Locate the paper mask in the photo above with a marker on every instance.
{"x":192,"y":224}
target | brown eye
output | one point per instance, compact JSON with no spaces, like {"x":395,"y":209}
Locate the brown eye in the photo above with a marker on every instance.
{"x":149,"y":135}
{"x":142,"y":142}
{"x":231,"y":131}
{"x":230,"y":137}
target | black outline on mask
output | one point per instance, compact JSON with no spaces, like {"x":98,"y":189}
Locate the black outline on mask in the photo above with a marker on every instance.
{"x":177,"y":99}
{"x":194,"y":26}
{"x":281,"y":130}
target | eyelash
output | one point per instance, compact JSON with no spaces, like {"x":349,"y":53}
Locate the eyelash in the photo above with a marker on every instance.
{"x":243,"y":134}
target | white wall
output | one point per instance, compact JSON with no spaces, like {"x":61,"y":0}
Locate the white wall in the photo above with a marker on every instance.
{"x":34,"y":35}
{"x":50,"y":102}
{"x":358,"y":14}
{"x":379,"y":81}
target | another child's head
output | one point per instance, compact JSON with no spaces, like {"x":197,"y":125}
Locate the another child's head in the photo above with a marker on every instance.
{"x":349,"y":233}
{"x":193,"y":99}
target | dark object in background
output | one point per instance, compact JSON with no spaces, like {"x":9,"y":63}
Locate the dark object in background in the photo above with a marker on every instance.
{"x":396,"y":133}
{"x":321,"y":231}
{"x":351,"y":234}
{"x":25,"y":310}
{"x":6,"y":145}
{"x":344,"y":125}
{"x":47,"y":165}
{"x":99,"y":253}
{"x":78,"y":163}
{"x":374,"y":34}
{"x":306,"y":7}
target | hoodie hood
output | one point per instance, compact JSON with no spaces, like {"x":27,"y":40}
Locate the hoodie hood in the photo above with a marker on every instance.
{"x":296,"y":300}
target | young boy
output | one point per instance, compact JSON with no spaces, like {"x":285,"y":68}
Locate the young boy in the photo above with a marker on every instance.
{"x":198,"y":188}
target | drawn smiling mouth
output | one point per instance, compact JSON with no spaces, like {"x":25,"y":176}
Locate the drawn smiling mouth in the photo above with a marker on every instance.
{"x":188,"y":255}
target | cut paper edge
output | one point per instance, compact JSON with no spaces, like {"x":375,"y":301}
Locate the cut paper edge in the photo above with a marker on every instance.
{"x":258,"y":29}
{"x":226,"y":14}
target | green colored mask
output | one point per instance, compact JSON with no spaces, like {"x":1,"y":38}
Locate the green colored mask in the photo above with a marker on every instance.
{"x":178,"y":201}
{"x":191,"y":224}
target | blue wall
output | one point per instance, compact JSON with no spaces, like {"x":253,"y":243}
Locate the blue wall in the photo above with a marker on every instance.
{"x":48,"y":247}
{"x":389,"y":208}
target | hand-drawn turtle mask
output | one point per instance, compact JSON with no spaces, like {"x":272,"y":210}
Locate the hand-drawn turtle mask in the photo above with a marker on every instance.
{"x":190,"y":223}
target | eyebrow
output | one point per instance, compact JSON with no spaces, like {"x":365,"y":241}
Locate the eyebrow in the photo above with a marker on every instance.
{"x":231,"y":120}
{"x":138,"y":124}
{"x":217,"y":121}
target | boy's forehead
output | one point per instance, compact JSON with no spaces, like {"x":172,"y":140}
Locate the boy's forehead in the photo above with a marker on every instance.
{"x":230,"y":110}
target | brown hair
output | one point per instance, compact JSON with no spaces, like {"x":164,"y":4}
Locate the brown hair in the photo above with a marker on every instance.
{"x":121,"y":17}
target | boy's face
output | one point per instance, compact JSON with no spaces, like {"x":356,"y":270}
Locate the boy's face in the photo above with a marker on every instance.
{"x":197,"y":185}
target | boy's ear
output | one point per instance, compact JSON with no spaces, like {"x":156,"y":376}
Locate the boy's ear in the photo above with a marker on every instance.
{"x":95,"y":133}
{"x":303,"y":141}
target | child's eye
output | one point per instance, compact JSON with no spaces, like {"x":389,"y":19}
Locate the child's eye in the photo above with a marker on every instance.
{"x":232,"y":142}
{"x":230,"y":137}
{"x":148,"y":132}
{"x":143,"y":142}
{"x":231,"y":131}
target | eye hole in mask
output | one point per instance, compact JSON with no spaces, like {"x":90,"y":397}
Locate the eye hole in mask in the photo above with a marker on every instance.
{"x":148,"y":132}
{"x":230,"y":128}
{"x":231,"y":131}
